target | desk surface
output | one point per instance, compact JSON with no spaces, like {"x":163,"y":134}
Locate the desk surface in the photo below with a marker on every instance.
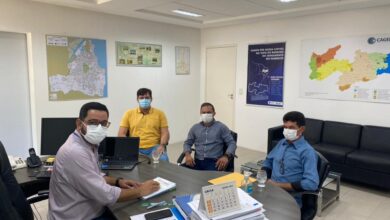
{"x":27,"y":181}
{"x":277,"y":202}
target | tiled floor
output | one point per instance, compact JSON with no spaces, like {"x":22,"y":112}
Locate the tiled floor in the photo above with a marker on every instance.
{"x":356,"y":202}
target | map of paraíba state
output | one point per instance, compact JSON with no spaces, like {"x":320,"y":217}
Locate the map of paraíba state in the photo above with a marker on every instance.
{"x":365,"y":67}
{"x":76,"y":68}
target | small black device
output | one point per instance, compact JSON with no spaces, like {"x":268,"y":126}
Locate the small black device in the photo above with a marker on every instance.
{"x":33,"y":160}
{"x":43,"y":174}
{"x":165,"y":213}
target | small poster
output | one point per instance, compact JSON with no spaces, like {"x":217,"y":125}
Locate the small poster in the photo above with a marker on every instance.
{"x":138,"y":54}
{"x":265,"y":74}
{"x":182,"y":60}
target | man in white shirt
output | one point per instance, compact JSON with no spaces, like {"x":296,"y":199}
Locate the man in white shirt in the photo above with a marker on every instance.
{"x":77,"y":188}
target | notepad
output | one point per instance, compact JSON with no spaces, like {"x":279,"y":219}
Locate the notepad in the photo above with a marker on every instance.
{"x":238,"y":177}
{"x":165,"y":185}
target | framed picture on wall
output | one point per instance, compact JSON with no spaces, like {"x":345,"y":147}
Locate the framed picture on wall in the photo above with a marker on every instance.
{"x":182,"y":60}
{"x":138,"y":54}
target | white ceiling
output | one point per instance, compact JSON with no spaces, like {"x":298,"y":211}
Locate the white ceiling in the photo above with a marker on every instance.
{"x":215,"y":12}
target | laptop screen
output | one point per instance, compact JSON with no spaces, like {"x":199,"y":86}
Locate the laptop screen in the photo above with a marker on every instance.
{"x":120,"y":148}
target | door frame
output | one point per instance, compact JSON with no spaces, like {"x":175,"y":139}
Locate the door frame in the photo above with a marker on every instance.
{"x":235,"y":77}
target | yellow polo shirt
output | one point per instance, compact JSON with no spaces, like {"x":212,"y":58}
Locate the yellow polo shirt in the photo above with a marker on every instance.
{"x":146,"y":127}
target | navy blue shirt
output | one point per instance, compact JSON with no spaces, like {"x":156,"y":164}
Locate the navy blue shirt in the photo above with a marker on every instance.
{"x":209,"y":141}
{"x":294,"y":163}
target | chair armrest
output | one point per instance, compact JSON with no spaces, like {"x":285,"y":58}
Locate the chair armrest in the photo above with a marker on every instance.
{"x":41,"y":195}
{"x":315,"y":193}
{"x":181,"y":157}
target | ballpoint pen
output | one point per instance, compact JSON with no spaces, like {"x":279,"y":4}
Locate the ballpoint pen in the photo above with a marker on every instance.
{"x":152,"y":205}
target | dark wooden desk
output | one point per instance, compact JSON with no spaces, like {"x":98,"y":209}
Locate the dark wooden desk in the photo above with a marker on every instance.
{"x":277,"y":202}
{"x":27,"y":181}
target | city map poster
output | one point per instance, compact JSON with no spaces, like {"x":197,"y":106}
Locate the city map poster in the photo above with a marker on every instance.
{"x":355,"y":68}
{"x":265,"y":74}
{"x":138,"y":54}
{"x":77,"y":68}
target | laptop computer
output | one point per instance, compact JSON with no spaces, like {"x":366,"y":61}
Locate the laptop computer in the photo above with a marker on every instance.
{"x":119,"y":153}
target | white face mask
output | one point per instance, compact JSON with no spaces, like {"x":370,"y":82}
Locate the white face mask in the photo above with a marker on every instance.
{"x":207,"y":118}
{"x":290,"y":134}
{"x":95,"y":134}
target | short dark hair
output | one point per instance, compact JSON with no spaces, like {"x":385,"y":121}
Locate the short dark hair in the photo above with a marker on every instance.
{"x":144,"y":91}
{"x":295,"y":116}
{"x":207,"y":104}
{"x":91,"y":106}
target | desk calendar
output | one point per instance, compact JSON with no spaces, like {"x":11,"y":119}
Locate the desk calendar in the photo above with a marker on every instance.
{"x":219,"y":199}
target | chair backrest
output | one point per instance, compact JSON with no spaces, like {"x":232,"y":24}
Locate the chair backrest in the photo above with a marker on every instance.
{"x":230,"y":166}
{"x":309,"y":201}
{"x":323,"y":167}
{"x":12,"y":195}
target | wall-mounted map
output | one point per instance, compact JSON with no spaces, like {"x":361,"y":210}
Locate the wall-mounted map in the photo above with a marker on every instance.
{"x":77,"y":68}
{"x":355,"y":68}
{"x":137,"y":54}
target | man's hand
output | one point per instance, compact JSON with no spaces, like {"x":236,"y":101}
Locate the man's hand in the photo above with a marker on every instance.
{"x":161,"y":149}
{"x":285,"y":186}
{"x":189,"y":160}
{"x":222,"y":163}
{"x":127,"y":184}
{"x":148,"y":187}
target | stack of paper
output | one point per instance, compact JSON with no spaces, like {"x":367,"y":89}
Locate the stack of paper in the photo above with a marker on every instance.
{"x":250,"y":209}
{"x":165,"y":185}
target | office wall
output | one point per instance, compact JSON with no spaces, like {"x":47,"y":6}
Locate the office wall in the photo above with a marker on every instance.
{"x":252,"y":122}
{"x":177,"y":95}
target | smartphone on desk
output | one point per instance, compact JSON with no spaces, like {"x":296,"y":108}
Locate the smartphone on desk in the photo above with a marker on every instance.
{"x":165,"y":213}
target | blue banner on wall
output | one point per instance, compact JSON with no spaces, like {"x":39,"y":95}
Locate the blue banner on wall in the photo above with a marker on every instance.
{"x":265,"y":74}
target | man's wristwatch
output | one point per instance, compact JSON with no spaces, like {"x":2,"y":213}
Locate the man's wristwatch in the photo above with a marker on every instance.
{"x":117,"y":181}
{"x":229,"y":156}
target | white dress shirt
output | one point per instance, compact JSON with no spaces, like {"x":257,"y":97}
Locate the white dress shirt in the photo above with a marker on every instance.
{"x":77,"y":188}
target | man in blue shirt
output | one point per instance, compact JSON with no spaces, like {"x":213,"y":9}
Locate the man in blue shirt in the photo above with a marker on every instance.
{"x":209,"y":137}
{"x":292,"y":164}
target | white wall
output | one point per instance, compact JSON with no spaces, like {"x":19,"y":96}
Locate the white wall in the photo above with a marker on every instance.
{"x":177,"y":95}
{"x":252,"y":122}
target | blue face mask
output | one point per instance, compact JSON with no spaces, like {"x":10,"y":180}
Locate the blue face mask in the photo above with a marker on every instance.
{"x":144,"y":103}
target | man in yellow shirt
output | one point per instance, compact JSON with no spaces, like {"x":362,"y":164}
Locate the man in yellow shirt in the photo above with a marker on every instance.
{"x":148,"y":123}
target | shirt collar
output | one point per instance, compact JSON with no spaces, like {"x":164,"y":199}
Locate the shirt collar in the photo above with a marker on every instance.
{"x":295,"y":143}
{"x":139,"y":110}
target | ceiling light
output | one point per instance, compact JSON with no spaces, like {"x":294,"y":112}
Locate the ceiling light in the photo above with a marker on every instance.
{"x":187,"y":13}
{"x":287,"y":1}
{"x":98,"y":2}
{"x":102,"y":1}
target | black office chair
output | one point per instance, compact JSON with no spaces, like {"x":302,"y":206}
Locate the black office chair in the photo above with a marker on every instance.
{"x":13,"y":203}
{"x":310,"y":198}
{"x":229,"y":167}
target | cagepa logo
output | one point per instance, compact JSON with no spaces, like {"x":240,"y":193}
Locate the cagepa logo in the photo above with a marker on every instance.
{"x":371,"y":40}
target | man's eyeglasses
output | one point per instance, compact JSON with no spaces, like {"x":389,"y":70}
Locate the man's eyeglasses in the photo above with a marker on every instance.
{"x":97,"y":122}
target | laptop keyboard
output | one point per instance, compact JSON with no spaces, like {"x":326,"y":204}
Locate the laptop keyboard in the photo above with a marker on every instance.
{"x":118,"y":165}
{"x":118,"y":162}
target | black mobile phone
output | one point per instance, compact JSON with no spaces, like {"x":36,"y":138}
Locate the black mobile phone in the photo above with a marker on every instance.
{"x":165,"y":213}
